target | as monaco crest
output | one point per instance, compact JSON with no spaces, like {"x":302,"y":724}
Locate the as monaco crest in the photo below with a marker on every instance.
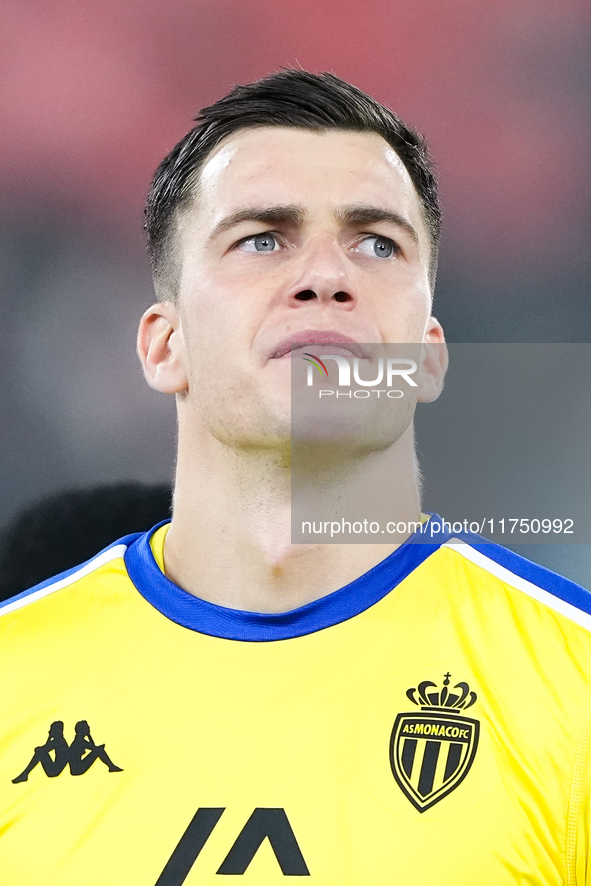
{"x":433,"y":748}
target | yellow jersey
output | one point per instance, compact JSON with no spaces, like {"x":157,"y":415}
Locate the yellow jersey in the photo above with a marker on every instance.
{"x":429,"y":723}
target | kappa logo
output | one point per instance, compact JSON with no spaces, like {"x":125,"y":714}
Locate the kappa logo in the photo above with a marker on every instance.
{"x":56,"y":753}
{"x":432,"y":750}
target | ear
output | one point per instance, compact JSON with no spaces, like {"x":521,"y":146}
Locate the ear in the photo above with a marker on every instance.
{"x":160,"y":347}
{"x":434,"y":363}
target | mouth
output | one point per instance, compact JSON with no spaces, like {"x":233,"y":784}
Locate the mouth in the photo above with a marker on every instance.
{"x":310,"y":338}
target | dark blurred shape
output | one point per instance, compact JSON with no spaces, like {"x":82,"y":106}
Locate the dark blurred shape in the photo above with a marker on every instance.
{"x":62,"y":530}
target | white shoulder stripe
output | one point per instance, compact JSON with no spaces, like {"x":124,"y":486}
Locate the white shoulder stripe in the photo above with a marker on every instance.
{"x":105,"y":557}
{"x":521,"y":584}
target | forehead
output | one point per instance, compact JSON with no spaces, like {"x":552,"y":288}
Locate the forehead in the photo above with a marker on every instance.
{"x":318,"y":170}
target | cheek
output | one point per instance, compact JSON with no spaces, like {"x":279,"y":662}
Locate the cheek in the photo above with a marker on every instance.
{"x":405,"y":319}
{"x":233,"y":290}
{"x":219,"y":323}
{"x":207,"y":310}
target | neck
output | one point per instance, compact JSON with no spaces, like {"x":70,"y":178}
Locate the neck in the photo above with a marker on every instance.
{"x":230,"y":541}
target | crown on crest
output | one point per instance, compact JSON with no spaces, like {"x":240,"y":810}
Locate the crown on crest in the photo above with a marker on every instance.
{"x":445,"y":698}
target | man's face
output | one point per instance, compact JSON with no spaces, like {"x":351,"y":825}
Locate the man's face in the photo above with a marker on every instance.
{"x":293,"y":235}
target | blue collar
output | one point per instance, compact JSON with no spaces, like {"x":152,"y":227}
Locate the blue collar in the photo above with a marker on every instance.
{"x":234,"y":624}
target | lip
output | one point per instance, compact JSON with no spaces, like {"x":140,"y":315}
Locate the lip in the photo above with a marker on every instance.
{"x":316,"y":337}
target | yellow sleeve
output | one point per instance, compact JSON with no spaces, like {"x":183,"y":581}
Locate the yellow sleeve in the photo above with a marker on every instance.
{"x":579,"y":815}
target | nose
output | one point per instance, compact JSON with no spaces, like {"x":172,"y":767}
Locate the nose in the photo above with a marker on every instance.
{"x":323,"y":275}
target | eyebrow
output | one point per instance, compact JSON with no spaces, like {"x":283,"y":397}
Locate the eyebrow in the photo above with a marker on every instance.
{"x":295,"y":215}
{"x":368,"y":215}
{"x":274,"y":215}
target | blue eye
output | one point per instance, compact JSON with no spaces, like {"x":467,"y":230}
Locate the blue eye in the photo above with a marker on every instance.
{"x":374,"y":245}
{"x":383,"y":247}
{"x":260,"y":243}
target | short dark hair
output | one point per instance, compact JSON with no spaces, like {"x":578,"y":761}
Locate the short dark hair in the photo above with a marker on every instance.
{"x":291,"y":98}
